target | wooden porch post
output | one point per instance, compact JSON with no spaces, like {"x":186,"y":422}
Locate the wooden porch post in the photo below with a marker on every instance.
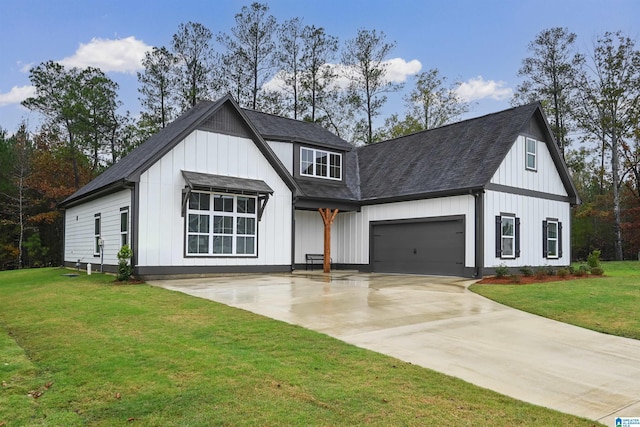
{"x":327,"y":217}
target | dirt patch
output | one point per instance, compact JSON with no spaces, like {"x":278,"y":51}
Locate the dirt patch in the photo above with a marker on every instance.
{"x":524,"y":280}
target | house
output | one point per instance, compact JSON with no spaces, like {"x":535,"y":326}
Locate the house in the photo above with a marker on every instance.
{"x":224,"y":189}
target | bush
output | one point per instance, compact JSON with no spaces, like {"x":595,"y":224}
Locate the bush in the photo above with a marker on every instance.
{"x":124,"y":263}
{"x":593,"y":259}
{"x":526,"y":271}
{"x":597,"y":271}
{"x":540,"y":273}
{"x":571,"y":269}
{"x":515,"y":278}
{"x":502,"y":271}
{"x":563,"y":272}
{"x":582,"y":271}
{"x":551,"y":271}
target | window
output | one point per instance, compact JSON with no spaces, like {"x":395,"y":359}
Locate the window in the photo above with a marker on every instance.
{"x":551,"y":239}
{"x":531,"y":154}
{"x":124,"y":226}
{"x":507,"y":236}
{"x":96,"y":235}
{"x":320,"y":163}
{"x":221,"y":224}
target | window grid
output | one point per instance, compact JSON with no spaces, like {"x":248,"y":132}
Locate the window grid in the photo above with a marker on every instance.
{"x":124,"y":226}
{"x":552,"y":239}
{"x":320,"y":163}
{"x":226,"y":227}
{"x":96,"y":233}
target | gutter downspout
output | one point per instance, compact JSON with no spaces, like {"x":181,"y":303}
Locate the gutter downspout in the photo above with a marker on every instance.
{"x":479,"y":234}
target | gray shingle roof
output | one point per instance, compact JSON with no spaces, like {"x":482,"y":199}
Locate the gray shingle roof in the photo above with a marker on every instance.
{"x":284,"y":129}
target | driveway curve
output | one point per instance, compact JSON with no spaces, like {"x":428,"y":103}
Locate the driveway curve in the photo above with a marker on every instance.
{"x":437,"y":323}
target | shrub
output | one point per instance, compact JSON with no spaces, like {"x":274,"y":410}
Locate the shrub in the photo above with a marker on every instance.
{"x":551,"y":271}
{"x":526,"y":271}
{"x":502,"y":271}
{"x":597,"y":271}
{"x":571,"y":269}
{"x":540,"y":273}
{"x":593,"y":259}
{"x":582,"y":271}
{"x":563,"y":272}
{"x":124,"y":265}
{"x":515,"y":278}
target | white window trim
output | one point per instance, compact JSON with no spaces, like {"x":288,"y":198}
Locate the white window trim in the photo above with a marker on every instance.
{"x":329,"y":155}
{"x":528,"y":153}
{"x":124,"y":235}
{"x":553,"y":239}
{"x":97,"y":220}
{"x":211,"y":213}
{"x":504,"y":236}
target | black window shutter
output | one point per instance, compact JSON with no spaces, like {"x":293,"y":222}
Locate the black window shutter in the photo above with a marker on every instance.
{"x":545,"y":250}
{"x":560,"y":240}
{"x":517,"y":231}
{"x":498,"y":236}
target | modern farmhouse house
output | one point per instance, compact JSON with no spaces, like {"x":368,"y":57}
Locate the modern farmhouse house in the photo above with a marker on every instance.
{"x":224,"y":189}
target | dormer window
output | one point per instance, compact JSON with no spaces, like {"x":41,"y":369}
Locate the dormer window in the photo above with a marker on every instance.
{"x":320,"y":163}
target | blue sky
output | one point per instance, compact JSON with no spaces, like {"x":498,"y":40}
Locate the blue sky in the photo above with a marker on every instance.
{"x":481,"y":43}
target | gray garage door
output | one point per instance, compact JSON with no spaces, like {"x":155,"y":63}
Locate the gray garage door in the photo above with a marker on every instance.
{"x":435,"y":247}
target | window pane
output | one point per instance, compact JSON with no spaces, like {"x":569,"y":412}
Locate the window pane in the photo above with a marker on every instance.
{"x":223,"y":224}
{"x":198,"y":244}
{"x":507,"y":226}
{"x":97,"y":226}
{"x":124,"y":221}
{"x":198,"y":223}
{"x":552,"y":230}
{"x":531,"y":146}
{"x":245,"y":245}
{"x":222,"y":244}
{"x":123,"y":239}
{"x":531,"y":161}
{"x":552,"y":248}
{"x":507,"y":246}
{"x":306,"y":161}
{"x":223,"y":203}
{"x":246,"y":205}
{"x":334,"y":166}
{"x":199,"y":201}
{"x":246,"y":226}
{"x":321,"y":163}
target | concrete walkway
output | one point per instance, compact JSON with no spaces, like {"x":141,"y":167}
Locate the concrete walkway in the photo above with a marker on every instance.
{"x":435,"y":322}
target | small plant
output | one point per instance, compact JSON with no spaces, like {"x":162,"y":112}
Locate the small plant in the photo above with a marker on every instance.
{"x":583,"y":270}
{"x":502,"y":271}
{"x":571,"y":269}
{"x":551,"y":271}
{"x":124,"y":263}
{"x":563,"y":272}
{"x":597,"y":271}
{"x":526,"y":271}
{"x":540,"y":273}
{"x":515,"y":278}
{"x":593,"y":259}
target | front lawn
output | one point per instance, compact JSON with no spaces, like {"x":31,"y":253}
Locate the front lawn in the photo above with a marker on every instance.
{"x":606,"y":304}
{"x":82,"y":350}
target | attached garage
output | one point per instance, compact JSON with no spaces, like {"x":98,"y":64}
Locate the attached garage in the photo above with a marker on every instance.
{"x":426,"y":246}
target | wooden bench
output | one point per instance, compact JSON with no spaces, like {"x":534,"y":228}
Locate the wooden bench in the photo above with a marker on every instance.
{"x":314,"y":259}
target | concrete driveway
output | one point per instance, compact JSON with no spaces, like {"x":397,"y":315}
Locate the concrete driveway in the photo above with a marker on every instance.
{"x":435,"y":322}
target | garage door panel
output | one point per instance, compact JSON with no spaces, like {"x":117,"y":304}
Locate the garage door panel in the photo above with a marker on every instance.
{"x":435,"y":247}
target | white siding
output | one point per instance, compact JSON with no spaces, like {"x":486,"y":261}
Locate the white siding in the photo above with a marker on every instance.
{"x":512,"y":171}
{"x":161,"y":225}
{"x":284,"y":151}
{"x":531,"y":211}
{"x":79,"y":228}
{"x":350,"y":231}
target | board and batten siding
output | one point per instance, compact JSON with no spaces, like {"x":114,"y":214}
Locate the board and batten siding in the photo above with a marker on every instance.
{"x":350,"y":230}
{"x":161,"y":235}
{"x":531,"y":211}
{"x":284,"y":151}
{"x":513,"y":173}
{"x":79,"y":228}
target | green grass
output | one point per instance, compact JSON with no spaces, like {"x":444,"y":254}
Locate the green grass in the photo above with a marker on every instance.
{"x":115,"y":355}
{"x":606,"y":304}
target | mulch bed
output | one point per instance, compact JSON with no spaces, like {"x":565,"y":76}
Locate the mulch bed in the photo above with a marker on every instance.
{"x":524,"y":280}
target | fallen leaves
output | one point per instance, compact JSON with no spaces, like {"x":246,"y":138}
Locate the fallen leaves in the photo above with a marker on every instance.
{"x":38,"y":393}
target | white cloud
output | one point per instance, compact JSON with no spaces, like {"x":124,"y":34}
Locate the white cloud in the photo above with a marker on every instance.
{"x":16,"y":95}
{"x":398,"y":69}
{"x":120,"y":55}
{"x":479,"y":88}
{"x":397,"y":72}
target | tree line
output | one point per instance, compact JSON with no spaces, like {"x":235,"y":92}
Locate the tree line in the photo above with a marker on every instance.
{"x":300,"y":71}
